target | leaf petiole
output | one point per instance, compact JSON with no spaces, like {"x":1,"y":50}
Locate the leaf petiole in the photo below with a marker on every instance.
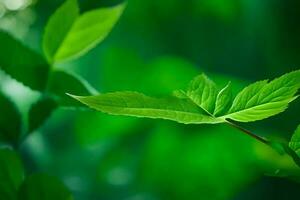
{"x":253,"y":135}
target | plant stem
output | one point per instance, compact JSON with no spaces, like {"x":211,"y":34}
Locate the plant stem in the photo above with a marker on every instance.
{"x":253,"y":135}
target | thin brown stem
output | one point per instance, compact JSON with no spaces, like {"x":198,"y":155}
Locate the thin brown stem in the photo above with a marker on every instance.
{"x":253,"y":135}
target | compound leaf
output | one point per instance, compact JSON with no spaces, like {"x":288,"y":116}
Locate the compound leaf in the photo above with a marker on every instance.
{"x":139,"y":105}
{"x":202,"y":102}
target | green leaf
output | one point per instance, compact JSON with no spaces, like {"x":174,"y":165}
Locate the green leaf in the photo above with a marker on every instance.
{"x":10,"y":121}
{"x":22,"y":64}
{"x":294,"y":144}
{"x":139,"y":105}
{"x":42,"y":186}
{"x":224,"y":100}
{"x":76,"y":33}
{"x":40,"y":112}
{"x":11,"y":174}
{"x":58,"y":28}
{"x":203,"y":92}
{"x":62,"y":82}
{"x":179,"y":94}
{"x":257,"y":101}
{"x":262,"y":99}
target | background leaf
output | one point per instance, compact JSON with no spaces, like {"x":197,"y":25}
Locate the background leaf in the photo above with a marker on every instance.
{"x":42,"y":186}
{"x":87,"y":31}
{"x":77,"y":34}
{"x":11,"y":174}
{"x":22,"y":64}
{"x":58,"y":27}
{"x":10,"y":121}
{"x":295,"y":141}
{"x":64,"y":82}
{"x":40,"y":112}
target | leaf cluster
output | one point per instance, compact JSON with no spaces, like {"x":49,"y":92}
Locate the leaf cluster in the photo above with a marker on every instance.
{"x":68,"y":34}
{"x":203,"y":102}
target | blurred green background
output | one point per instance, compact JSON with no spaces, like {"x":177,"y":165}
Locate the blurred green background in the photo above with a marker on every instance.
{"x":156,"y":47}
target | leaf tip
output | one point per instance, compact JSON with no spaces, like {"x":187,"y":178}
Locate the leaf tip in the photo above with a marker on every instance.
{"x":73,"y":96}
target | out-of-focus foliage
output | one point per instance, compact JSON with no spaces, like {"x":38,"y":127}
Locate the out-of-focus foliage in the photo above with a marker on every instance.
{"x":41,"y":186}
{"x":295,"y":141}
{"x":10,"y":121}
{"x":23,"y":64}
{"x":11,"y":174}
{"x":157,"y":47}
{"x":40,"y":112}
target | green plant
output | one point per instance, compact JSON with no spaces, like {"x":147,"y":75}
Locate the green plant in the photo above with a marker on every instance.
{"x":203,"y":103}
{"x":68,"y":35}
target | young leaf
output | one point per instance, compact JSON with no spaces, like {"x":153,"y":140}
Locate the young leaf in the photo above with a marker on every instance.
{"x":62,"y":82}
{"x":76,"y":33}
{"x":10,"y":121}
{"x":22,"y":64}
{"x":203,"y":92}
{"x":139,"y":105}
{"x":262,"y":99}
{"x":224,"y":100}
{"x":42,"y":186}
{"x":294,"y":144}
{"x":11,"y":174}
{"x":180,"y":94}
{"x":58,"y":27}
{"x":40,"y":112}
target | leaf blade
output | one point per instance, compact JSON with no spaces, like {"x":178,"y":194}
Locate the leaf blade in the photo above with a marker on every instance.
{"x":224,"y":100}
{"x":294,"y":143}
{"x":139,"y":105}
{"x":88,"y":31}
{"x":203,"y":92}
{"x":11,"y":174}
{"x":69,"y":34}
{"x":58,"y":27}
{"x":9,"y":132}
{"x":40,"y":112}
{"x":22,"y":63}
{"x":262,"y":99}
{"x":72,"y":83}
